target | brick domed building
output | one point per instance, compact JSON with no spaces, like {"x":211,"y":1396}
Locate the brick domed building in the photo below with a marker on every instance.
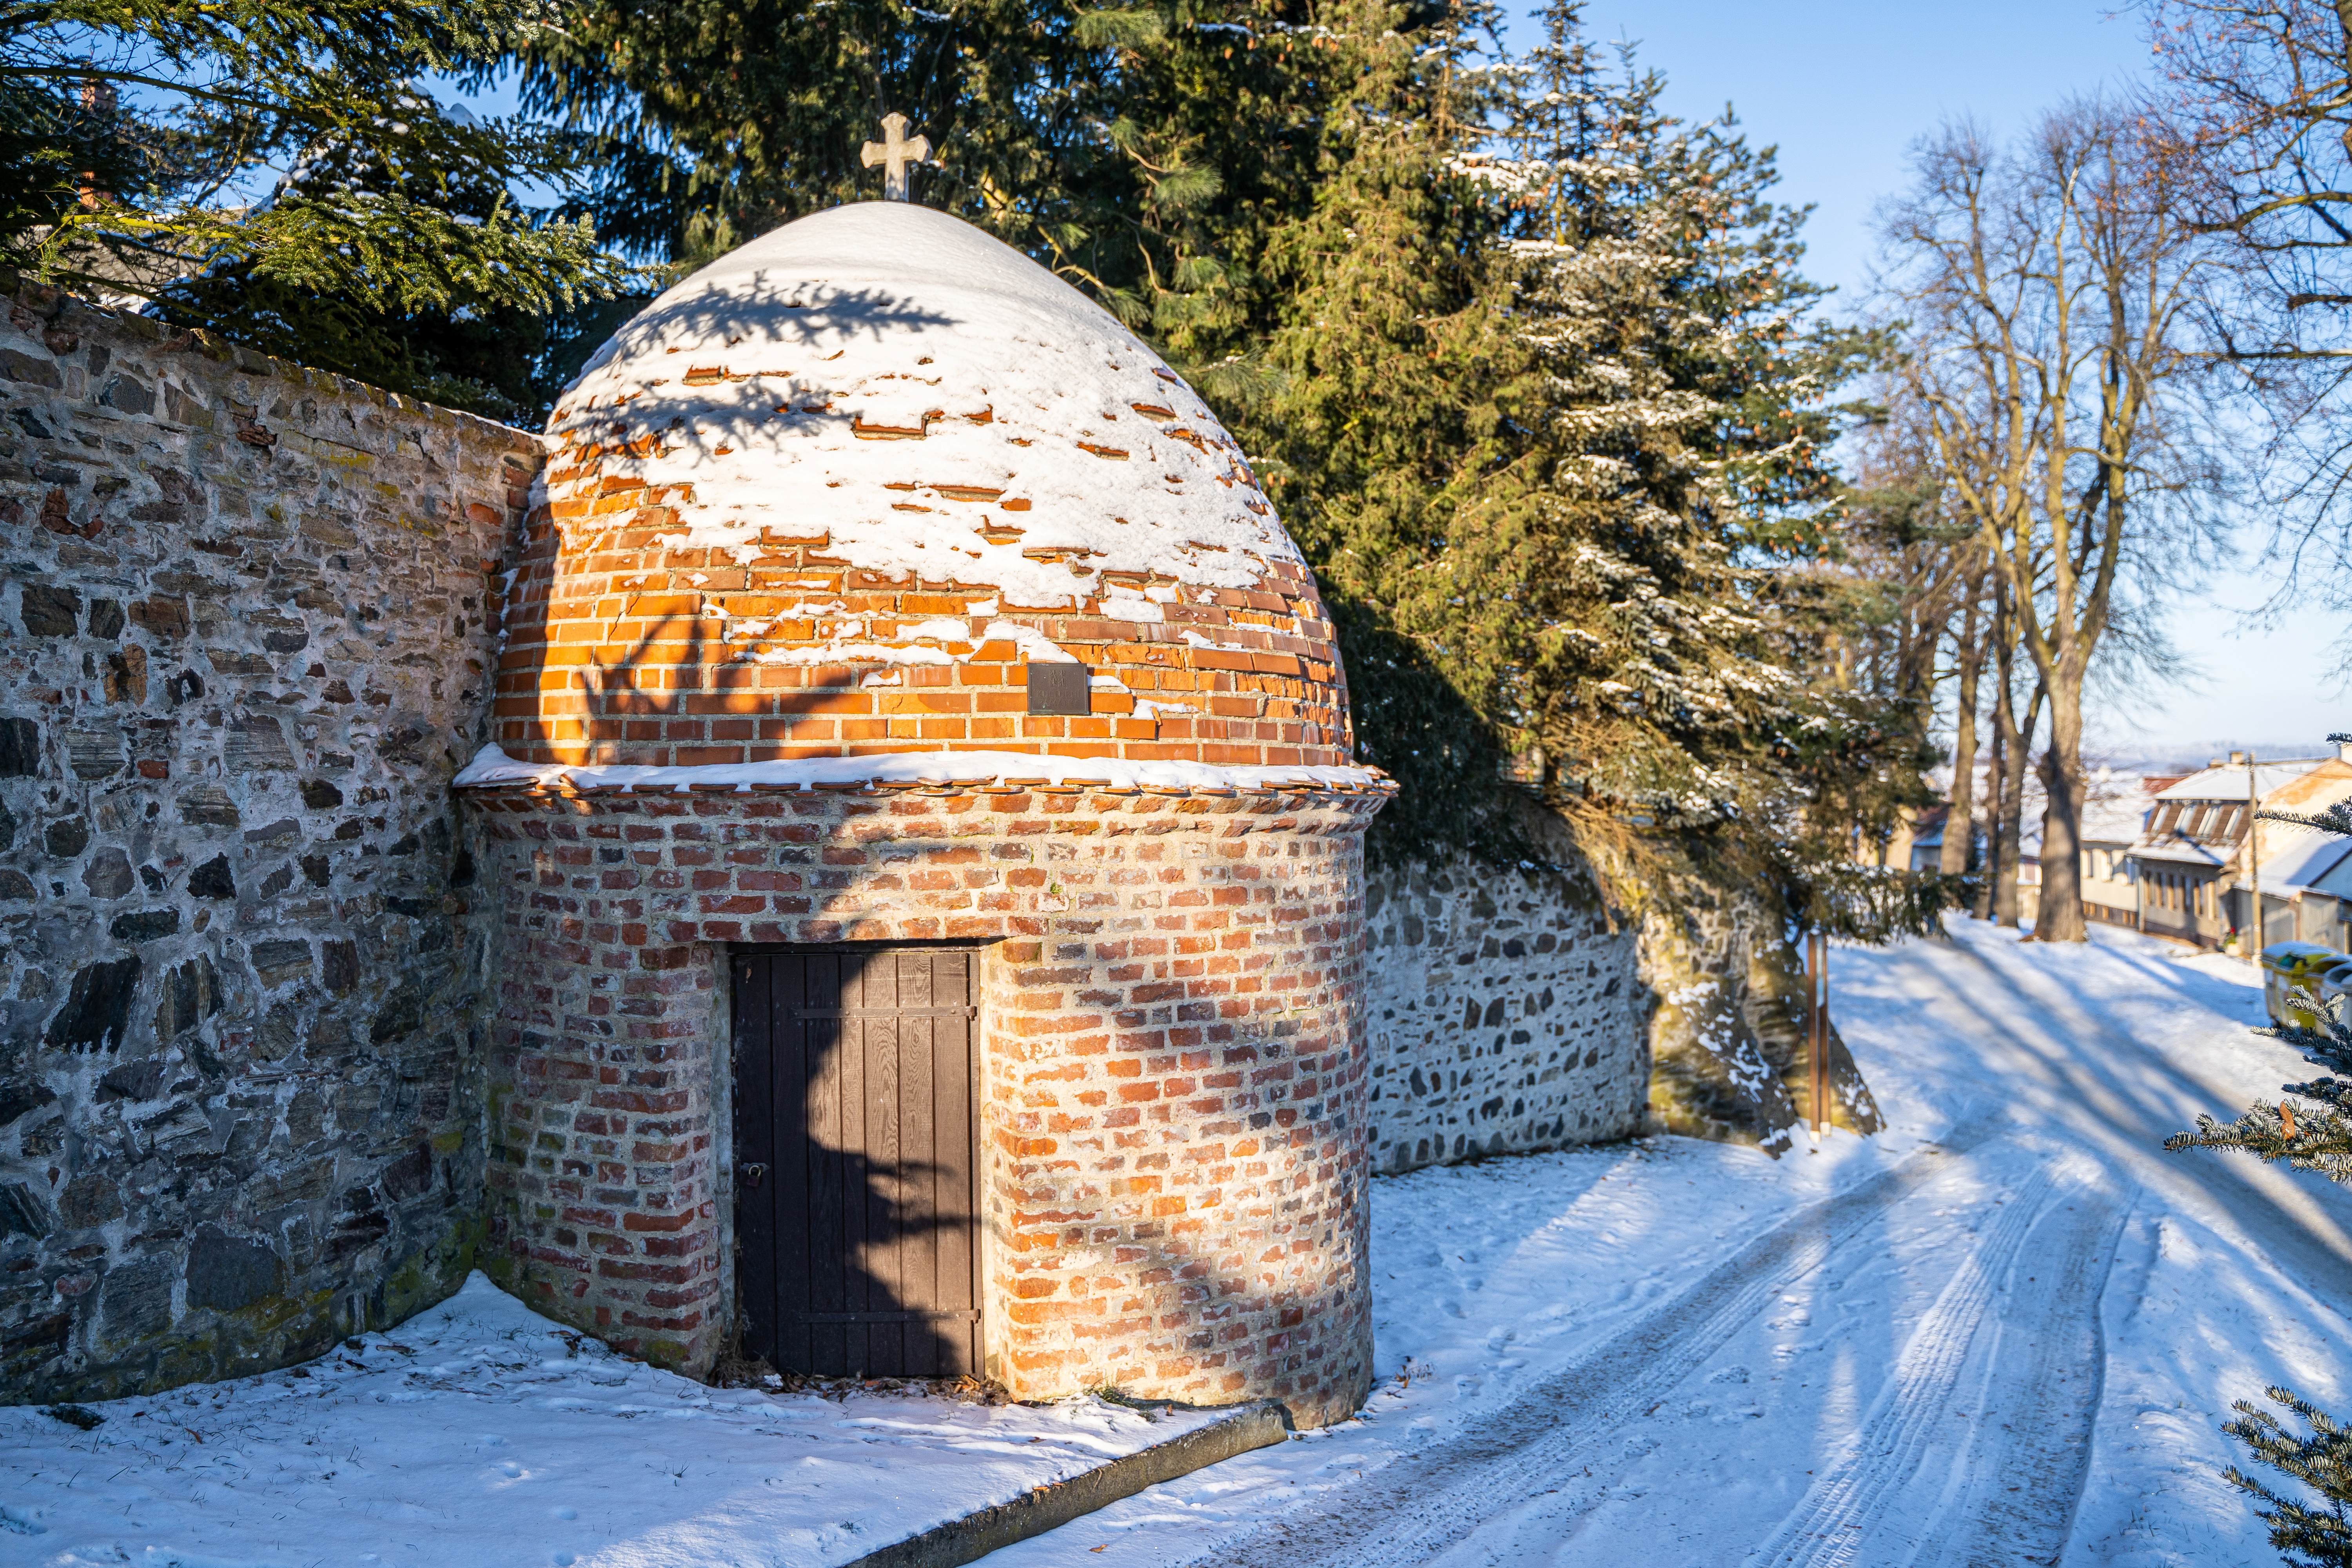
{"x":931,"y":851}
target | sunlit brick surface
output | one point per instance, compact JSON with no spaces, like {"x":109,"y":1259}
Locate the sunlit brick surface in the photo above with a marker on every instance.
{"x":1173,"y":1146}
{"x":621,"y":649}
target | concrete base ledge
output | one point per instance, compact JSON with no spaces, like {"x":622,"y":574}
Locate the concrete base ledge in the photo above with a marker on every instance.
{"x":975,"y":1535}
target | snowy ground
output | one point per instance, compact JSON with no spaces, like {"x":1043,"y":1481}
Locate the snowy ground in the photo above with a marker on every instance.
{"x":482,"y":1434}
{"x":2005,"y":1331}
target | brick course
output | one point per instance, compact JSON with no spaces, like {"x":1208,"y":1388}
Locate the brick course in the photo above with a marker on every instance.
{"x":1173,"y":1089}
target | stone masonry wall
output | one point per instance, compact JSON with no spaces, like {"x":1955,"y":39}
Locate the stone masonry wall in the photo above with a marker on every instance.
{"x":1173,"y":1181}
{"x":1503,"y":1015}
{"x":248,"y":622}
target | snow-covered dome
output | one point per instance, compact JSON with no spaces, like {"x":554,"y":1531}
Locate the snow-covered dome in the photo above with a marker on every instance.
{"x":833,"y":493}
{"x":789,"y":380}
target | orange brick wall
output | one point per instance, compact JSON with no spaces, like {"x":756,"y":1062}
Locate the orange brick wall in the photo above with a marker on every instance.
{"x":623,"y":650}
{"x":1174,"y":1147}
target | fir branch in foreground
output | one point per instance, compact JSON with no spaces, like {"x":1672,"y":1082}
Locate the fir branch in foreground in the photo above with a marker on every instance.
{"x":2337,"y":818}
{"x":2309,"y":1537}
{"x":2305,"y":1138}
{"x":2316,"y":1135}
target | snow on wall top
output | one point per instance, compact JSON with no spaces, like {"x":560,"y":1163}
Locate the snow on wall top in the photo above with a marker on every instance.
{"x":934,"y":401}
{"x":491,"y":767}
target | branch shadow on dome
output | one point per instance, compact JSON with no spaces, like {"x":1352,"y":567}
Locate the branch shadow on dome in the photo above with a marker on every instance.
{"x":736,"y":337}
{"x":715,"y":324}
{"x":674,"y":680}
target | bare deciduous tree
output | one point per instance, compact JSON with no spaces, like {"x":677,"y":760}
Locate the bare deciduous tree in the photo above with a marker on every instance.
{"x":2252,"y":117}
{"x":2055,"y":292}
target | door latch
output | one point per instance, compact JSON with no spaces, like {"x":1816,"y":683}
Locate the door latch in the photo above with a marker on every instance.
{"x":753,"y":1174}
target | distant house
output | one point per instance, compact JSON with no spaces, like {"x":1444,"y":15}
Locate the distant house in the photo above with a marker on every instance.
{"x":2115,"y":814}
{"x":1927,"y":841}
{"x":1927,"y":838}
{"x":2306,"y":874}
{"x":2190,"y":861}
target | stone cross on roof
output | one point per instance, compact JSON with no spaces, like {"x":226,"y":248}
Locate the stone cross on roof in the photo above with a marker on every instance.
{"x":896,"y":151}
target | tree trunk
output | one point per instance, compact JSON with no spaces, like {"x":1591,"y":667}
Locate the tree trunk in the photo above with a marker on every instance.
{"x":2060,"y":916}
{"x":2004,"y":835}
{"x":2007,"y":909}
{"x":1960,"y":826}
{"x":1990,"y":872}
{"x":2010,"y":748}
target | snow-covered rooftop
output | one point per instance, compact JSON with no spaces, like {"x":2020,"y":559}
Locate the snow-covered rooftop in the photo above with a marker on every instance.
{"x":2114,"y":809}
{"x":2177,"y":850}
{"x":932,"y":402}
{"x":2228,"y":781}
{"x":2297,"y":858}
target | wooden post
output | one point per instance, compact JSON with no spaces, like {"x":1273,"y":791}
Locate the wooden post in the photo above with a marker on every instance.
{"x":1817,"y":1031}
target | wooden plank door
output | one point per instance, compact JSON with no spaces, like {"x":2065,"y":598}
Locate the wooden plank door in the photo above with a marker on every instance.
{"x":856,"y":1207}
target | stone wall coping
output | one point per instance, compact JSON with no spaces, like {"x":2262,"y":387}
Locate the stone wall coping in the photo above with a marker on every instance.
{"x":881,"y":769}
{"x":60,"y":307}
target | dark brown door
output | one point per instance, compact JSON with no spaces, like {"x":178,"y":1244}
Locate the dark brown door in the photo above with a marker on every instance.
{"x":855,"y":1140}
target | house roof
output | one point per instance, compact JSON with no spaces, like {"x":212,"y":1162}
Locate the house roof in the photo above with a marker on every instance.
{"x":2176,"y":851}
{"x":2294,"y":859}
{"x":2336,"y":881}
{"x":2116,"y":811}
{"x":2291,"y":857}
{"x":2228,"y":781}
{"x":2323,"y":786}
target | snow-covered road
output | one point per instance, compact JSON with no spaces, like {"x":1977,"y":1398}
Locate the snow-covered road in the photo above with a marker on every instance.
{"x":2004,"y":1333}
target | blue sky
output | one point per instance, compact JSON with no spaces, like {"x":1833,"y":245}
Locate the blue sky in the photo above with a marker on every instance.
{"x":1842,"y":87}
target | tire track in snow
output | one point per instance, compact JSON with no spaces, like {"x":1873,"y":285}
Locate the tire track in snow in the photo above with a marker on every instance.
{"x":1825,"y":1528}
{"x":2048,"y":1369}
{"x":1411,"y":1511}
{"x":2007,"y":1492}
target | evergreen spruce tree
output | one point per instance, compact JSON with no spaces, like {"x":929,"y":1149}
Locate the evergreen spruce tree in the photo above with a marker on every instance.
{"x":1143,"y":151}
{"x":1548,"y":416}
{"x":272,"y":171}
{"x":1553,"y":430}
{"x":1391,"y":372}
{"x":1657,"y":650}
